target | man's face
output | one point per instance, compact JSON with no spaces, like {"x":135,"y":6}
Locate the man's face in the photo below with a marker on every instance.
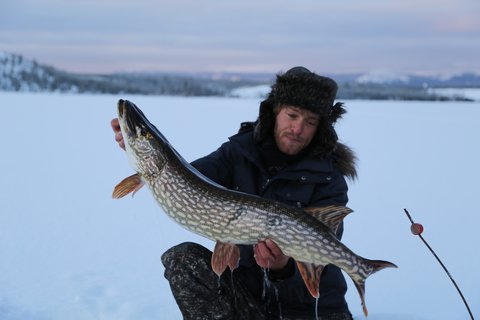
{"x":294,"y":129}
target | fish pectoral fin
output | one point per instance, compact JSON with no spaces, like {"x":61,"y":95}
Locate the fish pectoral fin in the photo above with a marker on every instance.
{"x":225,"y":255}
{"x":331,"y":216}
{"x":311,"y":276}
{"x":128,"y":185}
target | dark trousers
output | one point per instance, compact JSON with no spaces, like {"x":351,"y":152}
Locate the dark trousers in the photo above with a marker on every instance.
{"x":202,"y":295}
{"x":199,"y":292}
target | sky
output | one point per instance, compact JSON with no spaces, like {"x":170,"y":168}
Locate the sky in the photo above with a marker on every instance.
{"x":434,"y":37}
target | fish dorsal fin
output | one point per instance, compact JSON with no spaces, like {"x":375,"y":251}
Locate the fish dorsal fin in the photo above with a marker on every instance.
{"x":128,"y":185}
{"x":331,"y":216}
{"x":225,"y":255}
{"x":311,"y":276}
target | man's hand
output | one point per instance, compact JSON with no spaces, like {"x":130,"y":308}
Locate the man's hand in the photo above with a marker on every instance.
{"x":118,"y":133}
{"x":268,"y":255}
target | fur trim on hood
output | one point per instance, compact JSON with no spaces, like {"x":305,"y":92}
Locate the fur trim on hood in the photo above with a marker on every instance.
{"x":302,"y":88}
{"x":345,"y":160}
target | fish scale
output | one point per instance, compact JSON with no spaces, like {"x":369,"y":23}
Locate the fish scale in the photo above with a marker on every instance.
{"x":231,"y":217}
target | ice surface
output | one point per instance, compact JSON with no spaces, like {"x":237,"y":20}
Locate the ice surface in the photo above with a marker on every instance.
{"x":69,"y":251}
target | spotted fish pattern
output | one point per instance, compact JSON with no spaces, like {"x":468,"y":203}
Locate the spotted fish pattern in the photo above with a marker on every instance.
{"x":231,"y":217}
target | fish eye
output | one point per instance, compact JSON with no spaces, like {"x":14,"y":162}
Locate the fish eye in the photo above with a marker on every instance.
{"x":143,"y":132}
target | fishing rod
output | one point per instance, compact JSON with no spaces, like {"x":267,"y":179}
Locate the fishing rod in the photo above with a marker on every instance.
{"x":417,"y":229}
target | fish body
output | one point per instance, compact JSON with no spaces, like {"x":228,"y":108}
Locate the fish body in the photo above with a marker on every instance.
{"x":231,"y":217}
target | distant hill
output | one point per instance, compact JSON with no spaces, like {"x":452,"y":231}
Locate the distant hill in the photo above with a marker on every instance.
{"x":466,"y":80}
{"x":20,"y":74}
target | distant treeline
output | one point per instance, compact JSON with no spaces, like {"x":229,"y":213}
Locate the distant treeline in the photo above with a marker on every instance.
{"x":19,"y":74}
{"x":392,"y":92}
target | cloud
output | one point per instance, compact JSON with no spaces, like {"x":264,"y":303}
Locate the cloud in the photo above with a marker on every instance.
{"x":110,"y":35}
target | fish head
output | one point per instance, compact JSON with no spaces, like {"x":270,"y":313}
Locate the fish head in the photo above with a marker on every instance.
{"x":144,"y":144}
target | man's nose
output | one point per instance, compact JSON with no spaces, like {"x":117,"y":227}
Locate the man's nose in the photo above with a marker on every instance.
{"x":296,"y":127}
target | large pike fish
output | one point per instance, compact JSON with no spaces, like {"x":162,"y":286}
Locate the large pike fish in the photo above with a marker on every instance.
{"x":230,"y":217}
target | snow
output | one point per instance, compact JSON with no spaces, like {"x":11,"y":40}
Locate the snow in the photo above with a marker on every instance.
{"x":381,"y":76}
{"x":69,"y":251}
{"x":254,"y":92}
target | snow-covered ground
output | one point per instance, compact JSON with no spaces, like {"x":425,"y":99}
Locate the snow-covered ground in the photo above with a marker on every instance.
{"x":68,"y":251}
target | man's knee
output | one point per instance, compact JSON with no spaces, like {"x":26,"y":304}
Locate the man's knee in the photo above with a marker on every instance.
{"x":185,"y":256}
{"x":183,"y":251}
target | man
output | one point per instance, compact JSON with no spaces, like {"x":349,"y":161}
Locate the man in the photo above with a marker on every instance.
{"x":290,"y":154}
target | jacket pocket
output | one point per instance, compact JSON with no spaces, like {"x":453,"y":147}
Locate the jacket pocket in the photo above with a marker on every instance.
{"x":296,"y":194}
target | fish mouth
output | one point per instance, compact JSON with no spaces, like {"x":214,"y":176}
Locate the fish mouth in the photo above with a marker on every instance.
{"x":134,"y":122}
{"x":132,"y":117}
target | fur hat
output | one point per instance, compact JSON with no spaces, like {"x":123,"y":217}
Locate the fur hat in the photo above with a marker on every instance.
{"x":302,"y":88}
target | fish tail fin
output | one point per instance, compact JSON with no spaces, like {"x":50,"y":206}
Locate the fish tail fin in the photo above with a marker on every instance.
{"x":375,"y":265}
{"x":378,"y":265}
{"x":360,"y":285}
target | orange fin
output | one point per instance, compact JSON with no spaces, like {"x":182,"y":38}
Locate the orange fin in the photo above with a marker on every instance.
{"x":128,"y":185}
{"x":331,"y":216}
{"x":311,"y":276}
{"x":225,"y":255}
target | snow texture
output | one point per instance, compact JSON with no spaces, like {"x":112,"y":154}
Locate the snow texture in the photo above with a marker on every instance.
{"x":382,"y":76}
{"x":69,"y":251}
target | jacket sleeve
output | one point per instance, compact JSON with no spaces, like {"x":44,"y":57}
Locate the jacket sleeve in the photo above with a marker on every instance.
{"x":217,"y":166}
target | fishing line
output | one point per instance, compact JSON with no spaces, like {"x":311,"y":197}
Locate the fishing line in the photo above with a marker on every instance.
{"x":417,"y":230}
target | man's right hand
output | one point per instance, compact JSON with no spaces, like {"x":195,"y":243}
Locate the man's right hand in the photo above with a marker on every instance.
{"x":118,"y":133}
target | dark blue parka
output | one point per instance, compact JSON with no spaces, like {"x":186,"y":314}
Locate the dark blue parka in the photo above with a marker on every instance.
{"x":308,"y":182}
